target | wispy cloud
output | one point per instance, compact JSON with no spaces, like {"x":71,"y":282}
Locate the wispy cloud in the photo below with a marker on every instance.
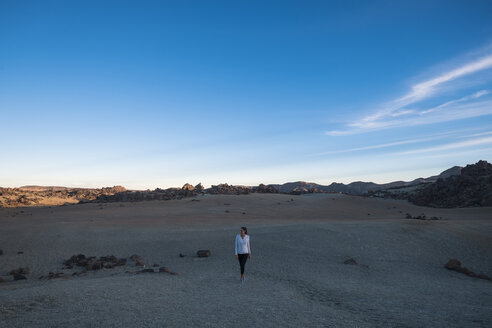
{"x":404,"y":112}
{"x":449,"y":146}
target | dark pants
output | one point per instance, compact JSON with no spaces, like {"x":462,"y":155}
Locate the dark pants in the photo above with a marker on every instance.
{"x":242,"y":261}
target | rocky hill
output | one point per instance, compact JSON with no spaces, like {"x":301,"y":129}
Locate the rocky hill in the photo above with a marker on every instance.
{"x":358,"y":187}
{"x":455,"y":187}
{"x":472,"y":187}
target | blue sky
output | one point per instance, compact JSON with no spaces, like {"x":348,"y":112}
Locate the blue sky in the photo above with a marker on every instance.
{"x":152,"y":94}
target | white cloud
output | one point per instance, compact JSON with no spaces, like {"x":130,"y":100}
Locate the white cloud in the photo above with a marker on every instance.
{"x":396,"y":113}
{"x":449,"y":146}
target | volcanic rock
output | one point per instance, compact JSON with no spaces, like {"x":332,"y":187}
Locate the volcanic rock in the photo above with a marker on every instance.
{"x":455,"y":265}
{"x":351,"y":261}
{"x":203,"y":253}
{"x":20,"y":271}
{"x":18,"y":276}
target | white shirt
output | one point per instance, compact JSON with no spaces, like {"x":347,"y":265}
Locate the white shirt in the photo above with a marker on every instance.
{"x":242,"y":245}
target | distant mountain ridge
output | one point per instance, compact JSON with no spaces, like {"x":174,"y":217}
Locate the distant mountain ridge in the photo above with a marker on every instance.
{"x":359,"y":187}
{"x":454,"y":187}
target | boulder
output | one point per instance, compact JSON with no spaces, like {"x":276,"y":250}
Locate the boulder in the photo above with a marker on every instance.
{"x":164,"y":269}
{"x":1,"y":252}
{"x":20,"y":271}
{"x":351,"y":261}
{"x":188,"y":187}
{"x":455,"y":265}
{"x":203,"y":253}
{"x":56,"y":275}
{"x":146,"y":271}
{"x":94,"y":265}
{"x":18,"y":276}
{"x":139,"y":262}
{"x":199,"y":187}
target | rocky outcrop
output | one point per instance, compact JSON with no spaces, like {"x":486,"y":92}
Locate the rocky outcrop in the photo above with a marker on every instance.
{"x":225,"y":189}
{"x":92,"y":263}
{"x":265,"y":189}
{"x":455,"y":265}
{"x":473,"y":187}
{"x":39,"y":196}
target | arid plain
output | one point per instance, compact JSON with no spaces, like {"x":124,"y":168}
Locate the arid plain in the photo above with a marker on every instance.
{"x":296,"y":276}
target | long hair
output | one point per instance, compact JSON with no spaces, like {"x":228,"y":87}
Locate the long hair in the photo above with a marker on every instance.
{"x":245,"y":230}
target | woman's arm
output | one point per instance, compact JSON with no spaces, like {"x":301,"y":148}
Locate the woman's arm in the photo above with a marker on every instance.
{"x":249,"y":249}
{"x":235,"y":246}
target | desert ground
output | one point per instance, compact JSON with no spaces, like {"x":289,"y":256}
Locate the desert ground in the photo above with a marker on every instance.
{"x":296,"y":276}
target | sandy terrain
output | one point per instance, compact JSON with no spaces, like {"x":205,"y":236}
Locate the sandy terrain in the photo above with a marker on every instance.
{"x":295,"y":278}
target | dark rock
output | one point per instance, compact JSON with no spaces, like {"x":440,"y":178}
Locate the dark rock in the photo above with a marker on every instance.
{"x":351,"y":261}
{"x":199,"y":188}
{"x":146,"y":271}
{"x":472,"y":187}
{"x":121,"y":262}
{"x":139,"y":262}
{"x":156,"y":265}
{"x":203,"y":253}
{"x":181,"y":255}
{"x":1,"y":252}
{"x":164,"y":269}
{"x":174,"y":273}
{"x":455,"y":265}
{"x":19,"y":276}
{"x":134,"y":257}
{"x":265,"y":189}
{"x":94,"y":265}
{"x":56,"y":275}
{"x":225,"y":189}
{"x":20,"y":252}
{"x":188,"y":187}
{"x":1,"y":280}
{"x":20,"y":271}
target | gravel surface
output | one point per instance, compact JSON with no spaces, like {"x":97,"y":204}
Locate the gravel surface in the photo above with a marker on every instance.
{"x":296,"y":276}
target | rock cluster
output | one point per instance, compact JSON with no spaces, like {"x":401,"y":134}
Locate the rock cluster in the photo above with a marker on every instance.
{"x":93,"y":263}
{"x":473,"y":187}
{"x":422,"y":217}
{"x":158,"y":194}
{"x":455,"y":265}
{"x":35,"y":195}
{"x":265,"y":189}
{"x":225,"y":189}
{"x":138,"y":260}
{"x":19,"y":274}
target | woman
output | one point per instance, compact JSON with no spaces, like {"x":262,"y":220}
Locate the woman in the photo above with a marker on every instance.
{"x":243,"y":251}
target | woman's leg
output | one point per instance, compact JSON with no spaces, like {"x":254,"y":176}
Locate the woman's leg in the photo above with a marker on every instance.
{"x":242,"y":262}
